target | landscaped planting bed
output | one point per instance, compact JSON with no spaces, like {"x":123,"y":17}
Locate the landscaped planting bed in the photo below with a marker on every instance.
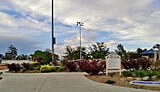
{"x":120,"y":81}
{"x":33,"y":67}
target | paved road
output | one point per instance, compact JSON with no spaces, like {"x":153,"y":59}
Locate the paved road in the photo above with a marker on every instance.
{"x":56,"y":82}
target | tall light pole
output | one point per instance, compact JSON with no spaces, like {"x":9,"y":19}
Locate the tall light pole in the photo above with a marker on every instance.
{"x":53,"y":38}
{"x":80,"y":24}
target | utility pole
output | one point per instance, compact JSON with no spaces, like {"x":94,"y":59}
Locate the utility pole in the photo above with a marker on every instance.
{"x":80,"y":24}
{"x":53,"y":38}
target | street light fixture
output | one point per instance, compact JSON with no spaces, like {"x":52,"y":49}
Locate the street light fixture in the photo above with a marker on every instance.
{"x":53,"y":38}
{"x":80,"y":24}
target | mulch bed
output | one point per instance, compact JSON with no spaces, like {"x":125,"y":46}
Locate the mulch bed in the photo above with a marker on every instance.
{"x":120,"y":81}
{"x":3,"y":67}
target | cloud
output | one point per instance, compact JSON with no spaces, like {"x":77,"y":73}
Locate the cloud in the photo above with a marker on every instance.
{"x":128,"y":22}
{"x":23,"y":45}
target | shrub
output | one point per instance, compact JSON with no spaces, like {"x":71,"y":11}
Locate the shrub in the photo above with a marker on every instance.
{"x":72,"y":66}
{"x":26,"y":66}
{"x":137,"y":64}
{"x":158,"y":74}
{"x":110,"y":81}
{"x":14,"y":67}
{"x":127,"y":73}
{"x":132,"y":64}
{"x":143,"y":73}
{"x":139,"y":73}
{"x":102,"y":64}
{"x":92,"y":67}
{"x":35,"y":66}
{"x":59,"y":68}
{"x":145,"y":63}
{"x":46,"y":68}
{"x":35,"y":63}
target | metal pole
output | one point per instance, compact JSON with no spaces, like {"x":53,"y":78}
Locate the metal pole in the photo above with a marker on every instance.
{"x":80,"y":43}
{"x":53,"y":38}
{"x":80,"y":35}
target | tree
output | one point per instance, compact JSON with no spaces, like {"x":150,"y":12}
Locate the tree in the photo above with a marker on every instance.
{"x":157,"y":46}
{"x":69,"y":53}
{"x":12,"y":52}
{"x":139,"y":50}
{"x":1,"y":56}
{"x":45,"y":57}
{"x":74,"y":53}
{"x":120,"y":51}
{"x":98,"y":51}
{"x":22,"y":57}
{"x":133,"y":55}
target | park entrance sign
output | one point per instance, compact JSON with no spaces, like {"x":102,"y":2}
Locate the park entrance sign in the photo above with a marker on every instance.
{"x":113,"y":63}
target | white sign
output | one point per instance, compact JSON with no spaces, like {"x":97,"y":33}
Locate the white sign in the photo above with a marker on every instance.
{"x":113,"y":63}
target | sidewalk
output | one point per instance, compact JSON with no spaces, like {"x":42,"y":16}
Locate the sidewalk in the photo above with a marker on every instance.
{"x":56,"y":82}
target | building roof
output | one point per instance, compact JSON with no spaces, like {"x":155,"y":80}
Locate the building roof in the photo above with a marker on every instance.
{"x":148,"y":52}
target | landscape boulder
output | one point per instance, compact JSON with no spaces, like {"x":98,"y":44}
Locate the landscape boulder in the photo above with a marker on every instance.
{"x":146,"y":78}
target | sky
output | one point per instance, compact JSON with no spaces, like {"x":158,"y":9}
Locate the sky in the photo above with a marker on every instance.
{"x":26,"y":24}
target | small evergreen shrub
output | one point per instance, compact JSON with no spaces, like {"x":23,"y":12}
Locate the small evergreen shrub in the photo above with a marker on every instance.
{"x":110,"y":82}
{"x":127,"y":73}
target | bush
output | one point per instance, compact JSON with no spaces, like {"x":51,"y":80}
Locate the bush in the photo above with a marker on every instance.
{"x":72,"y":66}
{"x":35,"y":63}
{"x":137,"y":64}
{"x":139,"y":73}
{"x":59,"y":68}
{"x":143,"y":73}
{"x":14,"y":67}
{"x":127,"y":73}
{"x":110,"y":81}
{"x":158,"y":74}
{"x":35,"y":66}
{"x":46,"y":68}
{"x":26,"y":65}
{"x":92,"y":67}
{"x":145,"y":63}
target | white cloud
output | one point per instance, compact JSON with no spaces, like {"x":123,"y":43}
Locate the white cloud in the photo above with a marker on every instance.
{"x":126,"y":21}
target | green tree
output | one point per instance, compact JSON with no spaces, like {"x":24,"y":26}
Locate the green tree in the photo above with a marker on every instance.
{"x":46,"y":57}
{"x":22,"y":57}
{"x":98,"y":51}
{"x":120,"y":51}
{"x":74,"y":53}
{"x":12,"y":52}
{"x":157,"y":46}
{"x":133,"y":55}
{"x":69,"y":53}
{"x":139,"y":50}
